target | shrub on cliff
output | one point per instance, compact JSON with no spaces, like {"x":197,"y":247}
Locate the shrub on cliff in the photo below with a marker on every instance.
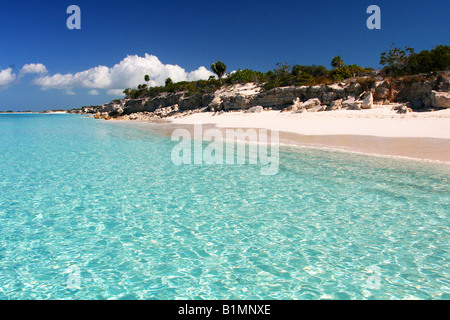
{"x":401,"y":62}
{"x":315,"y":71}
{"x":284,"y":76}
{"x":347,"y":71}
{"x":441,"y":58}
{"x":168,"y":82}
{"x":366,"y":83}
{"x":438,"y":59}
{"x":396,"y":60}
{"x":245,"y":76}
{"x":337,"y":62}
{"x":219,"y":68}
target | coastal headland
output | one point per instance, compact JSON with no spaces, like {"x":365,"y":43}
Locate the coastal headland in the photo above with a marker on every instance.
{"x":405,"y":118}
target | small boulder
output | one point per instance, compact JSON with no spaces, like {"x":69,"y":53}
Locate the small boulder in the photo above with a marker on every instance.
{"x":368,"y":102}
{"x":349,"y":101}
{"x":311,"y":103}
{"x":440,"y":99}
{"x":351,"y":104}
{"x":257,"y":109}
{"x":300,"y":111}
{"x":316,"y":109}
{"x":335,"y":105}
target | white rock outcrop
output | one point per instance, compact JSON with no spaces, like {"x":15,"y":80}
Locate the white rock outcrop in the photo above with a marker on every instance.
{"x":311,"y":103}
{"x":335,"y":105}
{"x":440,"y":99}
{"x":368,"y":102}
{"x":351,"y":104}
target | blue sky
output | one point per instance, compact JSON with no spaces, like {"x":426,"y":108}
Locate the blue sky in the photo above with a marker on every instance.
{"x":177,"y":38}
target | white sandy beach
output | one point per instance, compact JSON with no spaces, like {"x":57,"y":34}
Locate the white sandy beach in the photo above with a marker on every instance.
{"x":379,"y":122}
{"x":380,"y":131}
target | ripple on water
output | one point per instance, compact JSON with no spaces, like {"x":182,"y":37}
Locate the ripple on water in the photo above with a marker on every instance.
{"x":106,"y":198}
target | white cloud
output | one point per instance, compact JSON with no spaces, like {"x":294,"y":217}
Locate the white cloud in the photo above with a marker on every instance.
{"x":199,"y":74}
{"x":38,"y":68}
{"x":94,"y":92}
{"x":128,"y":73}
{"x":115,"y":92}
{"x":6,"y":77}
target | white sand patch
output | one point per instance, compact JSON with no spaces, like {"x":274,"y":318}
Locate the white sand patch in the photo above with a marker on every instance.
{"x":379,"y":122}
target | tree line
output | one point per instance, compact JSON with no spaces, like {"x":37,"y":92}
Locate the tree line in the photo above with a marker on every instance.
{"x":396,"y":62}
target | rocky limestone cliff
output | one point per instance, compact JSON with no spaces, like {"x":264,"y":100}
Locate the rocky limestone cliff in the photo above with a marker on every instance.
{"x":426,"y":91}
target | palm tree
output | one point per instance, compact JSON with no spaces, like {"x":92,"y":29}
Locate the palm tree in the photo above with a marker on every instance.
{"x":219,"y":68}
{"x":147,"y":78}
{"x":337,"y":62}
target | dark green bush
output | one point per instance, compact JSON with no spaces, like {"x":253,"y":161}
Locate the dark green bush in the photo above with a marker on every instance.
{"x":402,"y":62}
{"x":245,"y":76}
{"x":168,"y":82}
{"x":315,"y":71}
{"x":346,"y":71}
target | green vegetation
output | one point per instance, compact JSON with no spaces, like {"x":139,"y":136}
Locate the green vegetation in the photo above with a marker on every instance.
{"x":348,"y":71}
{"x":315,"y":71}
{"x":245,"y":76}
{"x":190,"y":88}
{"x":169,"y":82}
{"x":402,"y":62}
{"x":397,"y":62}
{"x":337,"y":62}
{"x":219,"y":68}
{"x":366,"y":83}
{"x":285,"y":75}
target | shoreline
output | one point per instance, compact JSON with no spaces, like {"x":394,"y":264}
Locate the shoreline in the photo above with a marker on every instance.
{"x":358,"y":145}
{"x":420,"y":136}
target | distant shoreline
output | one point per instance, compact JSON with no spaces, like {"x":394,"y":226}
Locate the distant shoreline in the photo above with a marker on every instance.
{"x":34,"y":112}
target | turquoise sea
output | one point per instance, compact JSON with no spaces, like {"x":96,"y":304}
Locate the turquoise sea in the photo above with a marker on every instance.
{"x":92,"y":209}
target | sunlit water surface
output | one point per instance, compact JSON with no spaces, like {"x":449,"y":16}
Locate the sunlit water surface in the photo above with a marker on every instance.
{"x":104,"y":198}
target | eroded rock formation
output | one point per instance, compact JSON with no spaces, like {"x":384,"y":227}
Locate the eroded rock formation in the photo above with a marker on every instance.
{"x":430,"y":91}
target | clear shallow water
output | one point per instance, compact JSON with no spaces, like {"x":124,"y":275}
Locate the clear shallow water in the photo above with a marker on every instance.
{"x":105,"y":197}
